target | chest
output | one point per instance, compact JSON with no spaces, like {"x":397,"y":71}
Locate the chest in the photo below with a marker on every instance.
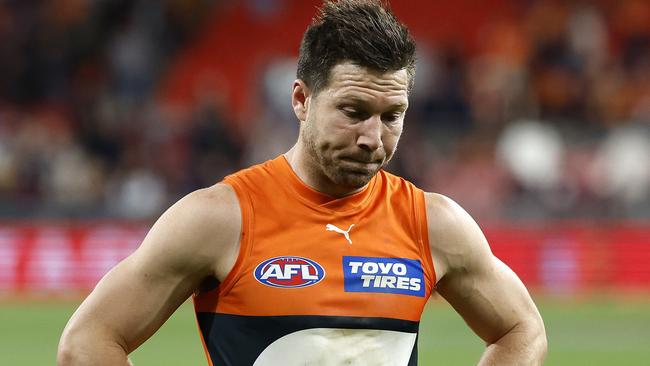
{"x":319,"y":265}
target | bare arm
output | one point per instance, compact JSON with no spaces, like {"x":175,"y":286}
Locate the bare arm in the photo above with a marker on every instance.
{"x":482,"y":289}
{"x":195,"y":239}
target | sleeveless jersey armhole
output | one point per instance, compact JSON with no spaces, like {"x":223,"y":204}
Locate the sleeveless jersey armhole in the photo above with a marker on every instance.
{"x":423,"y":235}
{"x":245,"y":239}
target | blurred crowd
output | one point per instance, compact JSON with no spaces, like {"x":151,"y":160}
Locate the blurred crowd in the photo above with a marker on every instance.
{"x":548,"y":119}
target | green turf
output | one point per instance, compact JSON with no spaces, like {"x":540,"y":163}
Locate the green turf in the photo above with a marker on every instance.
{"x":587,"y":333}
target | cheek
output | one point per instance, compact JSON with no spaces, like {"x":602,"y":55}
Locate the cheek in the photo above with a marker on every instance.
{"x":337,"y":133}
{"x":391,"y":137}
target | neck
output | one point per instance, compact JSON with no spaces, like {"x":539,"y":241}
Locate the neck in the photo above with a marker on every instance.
{"x":312,"y":175}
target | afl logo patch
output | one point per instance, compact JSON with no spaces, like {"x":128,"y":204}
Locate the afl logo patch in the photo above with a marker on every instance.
{"x":289,"y":272}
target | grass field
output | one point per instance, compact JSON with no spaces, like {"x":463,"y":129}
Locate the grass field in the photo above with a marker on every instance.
{"x":589,"y":333}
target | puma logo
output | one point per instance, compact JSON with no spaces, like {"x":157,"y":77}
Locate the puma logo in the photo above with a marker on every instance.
{"x":346,"y":233}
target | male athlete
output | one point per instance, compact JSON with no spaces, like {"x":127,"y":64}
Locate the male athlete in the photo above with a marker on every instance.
{"x":318,"y":257}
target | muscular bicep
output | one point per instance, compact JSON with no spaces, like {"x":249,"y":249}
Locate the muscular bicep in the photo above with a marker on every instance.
{"x":482,"y":289}
{"x":491,"y":299}
{"x":195,"y":239}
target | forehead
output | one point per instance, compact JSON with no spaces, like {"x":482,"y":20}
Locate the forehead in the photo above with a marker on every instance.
{"x":348,"y":80}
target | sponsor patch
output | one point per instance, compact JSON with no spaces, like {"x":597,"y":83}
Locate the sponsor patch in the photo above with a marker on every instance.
{"x":387,"y":275}
{"x":289,"y":272}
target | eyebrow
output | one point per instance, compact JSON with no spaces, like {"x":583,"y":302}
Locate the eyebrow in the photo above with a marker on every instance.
{"x":353,"y":99}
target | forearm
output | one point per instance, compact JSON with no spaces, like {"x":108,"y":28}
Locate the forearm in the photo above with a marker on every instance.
{"x":522,"y":346}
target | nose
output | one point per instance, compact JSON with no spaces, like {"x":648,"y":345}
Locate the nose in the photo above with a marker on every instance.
{"x":369,"y":134}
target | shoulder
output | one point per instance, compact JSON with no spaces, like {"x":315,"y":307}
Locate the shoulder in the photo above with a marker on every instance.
{"x":456,"y":241}
{"x":201,"y":230}
{"x":443,"y":211}
{"x":209,"y":209}
{"x":218,"y":201}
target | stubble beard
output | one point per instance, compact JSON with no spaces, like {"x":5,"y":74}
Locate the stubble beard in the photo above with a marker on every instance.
{"x":334,"y":171}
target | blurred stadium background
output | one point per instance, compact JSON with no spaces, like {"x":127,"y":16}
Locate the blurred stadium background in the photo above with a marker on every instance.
{"x":533,"y":115}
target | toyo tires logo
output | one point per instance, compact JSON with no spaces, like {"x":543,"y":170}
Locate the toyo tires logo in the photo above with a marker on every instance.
{"x":388,"y":275}
{"x":289,"y":272}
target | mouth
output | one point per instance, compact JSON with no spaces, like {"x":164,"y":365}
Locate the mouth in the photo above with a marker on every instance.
{"x":358,"y":163}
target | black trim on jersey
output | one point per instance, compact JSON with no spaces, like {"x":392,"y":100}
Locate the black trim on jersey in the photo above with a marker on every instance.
{"x":236,"y":340}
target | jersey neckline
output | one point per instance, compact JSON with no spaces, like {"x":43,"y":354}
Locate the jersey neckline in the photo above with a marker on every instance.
{"x":321,"y":201}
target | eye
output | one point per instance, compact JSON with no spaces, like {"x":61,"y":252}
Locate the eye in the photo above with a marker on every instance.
{"x":391,"y":117}
{"x":354,"y":113}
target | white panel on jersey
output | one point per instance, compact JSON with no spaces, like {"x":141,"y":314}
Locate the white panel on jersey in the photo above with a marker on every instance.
{"x":334,"y":346}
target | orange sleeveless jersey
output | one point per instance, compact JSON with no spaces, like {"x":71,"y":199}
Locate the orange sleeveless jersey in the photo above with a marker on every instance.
{"x":310,"y":265}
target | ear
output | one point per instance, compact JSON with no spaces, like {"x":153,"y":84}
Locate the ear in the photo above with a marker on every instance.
{"x":300,"y":99}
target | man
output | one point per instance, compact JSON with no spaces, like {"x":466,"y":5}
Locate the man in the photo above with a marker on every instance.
{"x":318,"y":257}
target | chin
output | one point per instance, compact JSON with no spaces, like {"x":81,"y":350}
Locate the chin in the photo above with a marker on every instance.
{"x":353,"y":180}
{"x":349,"y":174}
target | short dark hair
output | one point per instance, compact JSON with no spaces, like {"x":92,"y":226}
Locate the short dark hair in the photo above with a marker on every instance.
{"x":364,"y":32}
